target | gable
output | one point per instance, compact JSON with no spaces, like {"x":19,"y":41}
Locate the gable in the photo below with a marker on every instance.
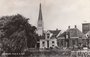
{"x":55,"y":33}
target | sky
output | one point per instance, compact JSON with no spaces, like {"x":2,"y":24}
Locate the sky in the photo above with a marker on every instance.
{"x":56,"y":13}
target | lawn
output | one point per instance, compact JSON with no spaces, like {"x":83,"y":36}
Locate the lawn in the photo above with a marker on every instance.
{"x":49,"y":53}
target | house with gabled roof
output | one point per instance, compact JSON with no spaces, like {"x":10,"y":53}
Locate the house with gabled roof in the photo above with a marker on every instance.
{"x":71,"y":37}
{"x":50,"y":39}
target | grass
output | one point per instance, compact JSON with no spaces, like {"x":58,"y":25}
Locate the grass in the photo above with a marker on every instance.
{"x":49,"y":53}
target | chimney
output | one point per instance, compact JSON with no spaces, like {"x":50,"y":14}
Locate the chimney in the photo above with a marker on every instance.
{"x":68,"y":27}
{"x":75,"y":26}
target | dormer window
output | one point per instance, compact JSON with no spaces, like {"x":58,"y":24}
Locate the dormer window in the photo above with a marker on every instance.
{"x":48,"y":35}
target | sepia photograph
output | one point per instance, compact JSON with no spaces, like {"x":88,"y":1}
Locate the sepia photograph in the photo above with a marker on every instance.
{"x":44,"y":28}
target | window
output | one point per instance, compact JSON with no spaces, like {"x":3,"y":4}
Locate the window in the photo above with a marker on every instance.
{"x":53,"y":45}
{"x":48,"y":35}
{"x":52,"y":41}
{"x":43,"y":43}
{"x":66,"y":36}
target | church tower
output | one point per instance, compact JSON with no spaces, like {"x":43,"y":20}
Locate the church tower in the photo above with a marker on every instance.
{"x":40,"y":26}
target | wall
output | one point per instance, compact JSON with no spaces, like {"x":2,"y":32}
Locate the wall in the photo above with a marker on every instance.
{"x":55,"y":42}
{"x":41,"y":46}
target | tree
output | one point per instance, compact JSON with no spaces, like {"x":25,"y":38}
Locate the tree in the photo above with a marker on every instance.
{"x":17,"y":33}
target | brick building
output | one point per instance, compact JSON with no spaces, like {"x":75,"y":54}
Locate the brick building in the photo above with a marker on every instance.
{"x":70,"y":38}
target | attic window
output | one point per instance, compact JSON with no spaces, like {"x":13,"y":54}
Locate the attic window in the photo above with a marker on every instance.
{"x":52,"y":41}
{"x":48,"y":35}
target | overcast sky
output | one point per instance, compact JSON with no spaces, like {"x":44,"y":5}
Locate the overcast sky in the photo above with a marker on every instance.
{"x":56,"y":13}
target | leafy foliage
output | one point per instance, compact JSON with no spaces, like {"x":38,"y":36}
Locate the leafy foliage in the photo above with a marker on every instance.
{"x":17,"y":33}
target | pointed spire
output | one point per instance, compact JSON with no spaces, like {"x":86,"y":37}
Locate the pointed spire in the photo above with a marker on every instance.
{"x":40,"y":25}
{"x":40,"y":13}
